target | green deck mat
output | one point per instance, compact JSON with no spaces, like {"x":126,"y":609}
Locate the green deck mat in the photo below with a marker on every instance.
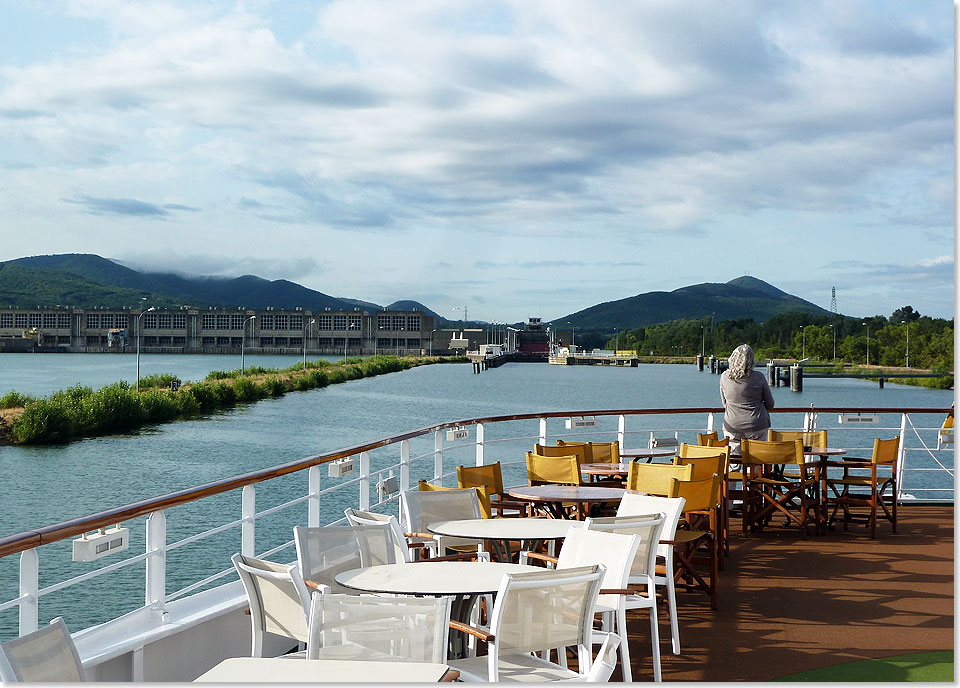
{"x":927,"y":667}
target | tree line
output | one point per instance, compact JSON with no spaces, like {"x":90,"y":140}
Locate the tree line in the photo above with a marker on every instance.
{"x":875,"y":340}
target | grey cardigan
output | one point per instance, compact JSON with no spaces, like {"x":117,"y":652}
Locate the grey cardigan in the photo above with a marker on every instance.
{"x":745,"y":403}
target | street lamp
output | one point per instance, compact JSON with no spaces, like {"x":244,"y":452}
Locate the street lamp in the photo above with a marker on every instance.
{"x":868,"y":341}
{"x":703,"y":342}
{"x":834,"y":342}
{"x":306,"y":332}
{"x":152,"y":308}
{"x":573,"y":337}
{"x":904,"y":322}
{"x":243,"y":337}
{"x":803,"y":336}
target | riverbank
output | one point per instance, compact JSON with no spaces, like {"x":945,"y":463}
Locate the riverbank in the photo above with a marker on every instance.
{"x":79,"y":412}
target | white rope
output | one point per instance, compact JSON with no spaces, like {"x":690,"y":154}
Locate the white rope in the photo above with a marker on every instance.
{"x":933,"y":456}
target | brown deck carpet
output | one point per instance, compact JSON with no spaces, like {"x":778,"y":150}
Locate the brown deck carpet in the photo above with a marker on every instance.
{"x":789,"y":605}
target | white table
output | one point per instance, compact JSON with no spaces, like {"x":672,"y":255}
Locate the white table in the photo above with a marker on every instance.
{"x":499,"y":531}
{"x":279,"y":670}
{"x":464,"y":581}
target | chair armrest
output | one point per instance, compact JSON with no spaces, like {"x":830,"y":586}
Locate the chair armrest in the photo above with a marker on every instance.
{"x":322,"y":587}
{"x":426,"y":536}
{"x":617,"y":591}
{"x":463,"y":556}
{"x":856,"y":463}
{"x":525,"y":555}
{"x":483,"y":635}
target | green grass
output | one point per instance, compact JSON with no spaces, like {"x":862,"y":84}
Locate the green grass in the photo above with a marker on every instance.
{"x":926,"y":667}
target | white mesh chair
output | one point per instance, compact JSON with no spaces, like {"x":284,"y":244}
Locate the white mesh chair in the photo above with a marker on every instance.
{"x":418,"y":509}
{"x":324,"y":552}
{"x":672,"y":509}
{"x":276,"y":595}
{"x":44,"y":656}
{"x":353,"y":627}
{"x":647,"y":529}
{"x":537,"y":612}
{"x":355,"y":517}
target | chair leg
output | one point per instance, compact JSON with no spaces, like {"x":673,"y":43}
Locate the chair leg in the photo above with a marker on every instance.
{"x":621,"y":630}
{"x":893,"y":496}
{"x":873,"y":511}
{"x":674,"y":623}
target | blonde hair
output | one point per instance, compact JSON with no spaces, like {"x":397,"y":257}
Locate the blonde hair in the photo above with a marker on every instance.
{"x":741,"y":362}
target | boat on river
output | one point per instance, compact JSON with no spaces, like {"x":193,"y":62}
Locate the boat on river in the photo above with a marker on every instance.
{"x":786,"y":605}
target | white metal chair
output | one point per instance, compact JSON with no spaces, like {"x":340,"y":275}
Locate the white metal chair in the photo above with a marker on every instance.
{"x":641,"y":572}
{"x":44,"y":656}
{"x":355,"y":517}
{"x":617,"y":552}
{"x":418,"y":509}
{"x":371,"y":628}
{"x":324,"y":552}
{"x":537,"y":612}
{"x":276,"y":595}
{"x":672,"y":509}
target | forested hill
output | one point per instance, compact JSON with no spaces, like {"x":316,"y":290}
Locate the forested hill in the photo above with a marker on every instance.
{"x":86,"y":280}
{"x":743,"y":297}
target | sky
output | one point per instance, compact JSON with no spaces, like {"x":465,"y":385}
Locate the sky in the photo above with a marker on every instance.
{"x":528,"y":158}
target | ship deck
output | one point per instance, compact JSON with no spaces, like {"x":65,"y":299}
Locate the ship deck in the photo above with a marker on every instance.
{"x":788,"y":605}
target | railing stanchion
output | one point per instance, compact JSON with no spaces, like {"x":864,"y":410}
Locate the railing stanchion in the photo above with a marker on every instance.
{"x":438,"y":455}
{"x":621,"y":429}
{"x":405,"y":465}
{"x":248,"y":530}
{"x":29,"y":586}
{"x":901,"y":455}
{"x":709,"y":422}
{"x":364,"y":481}
{"x":156,"y":575}
{"x":313,"y":504}
{"x":543,"y":431}
{"x":479,"y":444}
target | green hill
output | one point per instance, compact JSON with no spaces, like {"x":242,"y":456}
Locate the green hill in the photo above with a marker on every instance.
{"x":743,"y":297}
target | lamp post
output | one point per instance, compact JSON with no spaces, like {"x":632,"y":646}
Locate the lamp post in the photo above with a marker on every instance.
{"x":573,"y":337}
{"x":868,"y":342}
{"x":904,"y":322}
{"x":139,"y":317}
{"x":703,"y":342}
{"x":243,"y":337}
{"x":834,"y":342}
{"x":306,"y":331}
{"x":803,"y":337}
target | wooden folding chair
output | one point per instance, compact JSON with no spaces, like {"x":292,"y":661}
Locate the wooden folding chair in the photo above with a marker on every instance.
{"x":767,"y":490}
{"x":700,"y":501}
{"x":885,"y":455}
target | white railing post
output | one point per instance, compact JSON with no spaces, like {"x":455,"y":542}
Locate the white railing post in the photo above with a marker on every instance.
{"x":710,"y":422}
{"x":901,"y":455}
{"x":29,"y":587}
{"x":364,"y":481}
{"x":313,"y":504}
{"x":437,"y":454}
{"x":156,"y":576}
{"x":543,"y":432}
{"x":621,"y":429}
{"x":479,"y":444}
{"x":405,"y":465}
{"x":248,"y":529}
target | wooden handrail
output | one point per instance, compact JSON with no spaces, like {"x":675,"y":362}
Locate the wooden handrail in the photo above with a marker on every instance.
{"x":46,"y":535}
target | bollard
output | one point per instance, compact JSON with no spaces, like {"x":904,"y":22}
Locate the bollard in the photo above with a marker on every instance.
{"x":712,"y":361}
{"x":796,"y":378}
{"x":881,"y":382}
{"x":700,"y":362}
{"x":771,"y":374}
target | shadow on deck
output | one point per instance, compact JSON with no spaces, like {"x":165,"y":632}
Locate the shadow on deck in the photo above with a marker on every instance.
{"x":789,"y":605}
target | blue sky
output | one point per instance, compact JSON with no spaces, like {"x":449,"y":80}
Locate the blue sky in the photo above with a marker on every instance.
{"x":518,"y":158}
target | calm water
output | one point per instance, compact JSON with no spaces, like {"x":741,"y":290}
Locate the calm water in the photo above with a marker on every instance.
{"x":47,"y":485}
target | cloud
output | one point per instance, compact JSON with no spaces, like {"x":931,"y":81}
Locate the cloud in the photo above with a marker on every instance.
{"x":193,"y":265}
{"x":120,"y":206}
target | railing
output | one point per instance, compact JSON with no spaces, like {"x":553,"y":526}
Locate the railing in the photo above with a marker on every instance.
{"x":154,"y":556}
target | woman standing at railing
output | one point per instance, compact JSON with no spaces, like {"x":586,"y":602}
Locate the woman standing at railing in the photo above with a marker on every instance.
{"x":746,"y":399}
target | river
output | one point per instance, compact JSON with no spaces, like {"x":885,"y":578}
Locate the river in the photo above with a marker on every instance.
{"x":49,"y":484}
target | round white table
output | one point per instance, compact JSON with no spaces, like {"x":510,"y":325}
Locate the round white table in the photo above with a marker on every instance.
{"x":464,"y":581}
{"x":500,"y":531}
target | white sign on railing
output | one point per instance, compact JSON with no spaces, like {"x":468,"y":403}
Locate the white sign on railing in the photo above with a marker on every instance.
{"x":858,"y":418}
{"x":338,"y":469}
{"x":458,"y":433}
{"x":582,"y":422}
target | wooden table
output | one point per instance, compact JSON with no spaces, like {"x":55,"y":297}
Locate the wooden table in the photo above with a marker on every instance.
{"x":553,"y":496}
{"x":464,"y":581}
{"x":648,"y":453}
{"x":500,"y":531}
{"x":279,"y":670}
